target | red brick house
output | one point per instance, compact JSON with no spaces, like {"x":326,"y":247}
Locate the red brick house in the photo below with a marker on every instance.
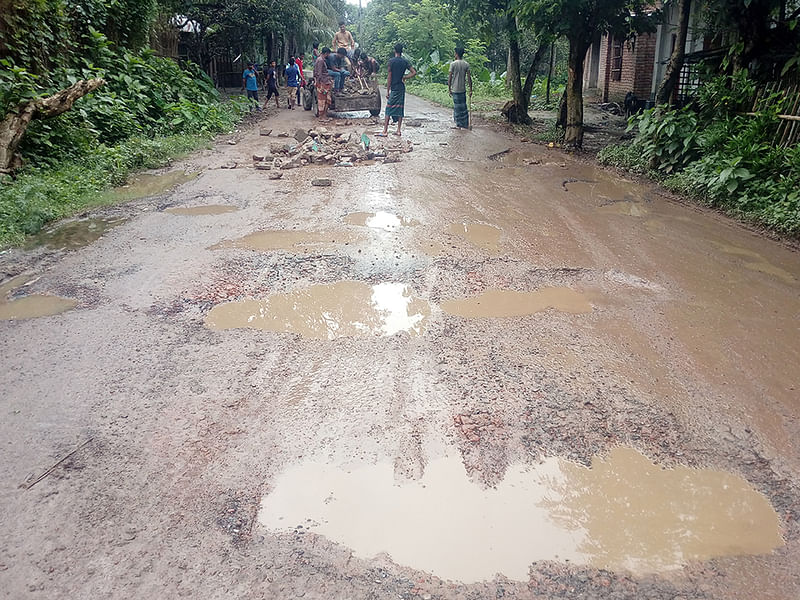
{"x":615,"y":67}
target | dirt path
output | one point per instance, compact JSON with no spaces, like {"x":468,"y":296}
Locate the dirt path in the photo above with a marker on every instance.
{"x":329,"y":415}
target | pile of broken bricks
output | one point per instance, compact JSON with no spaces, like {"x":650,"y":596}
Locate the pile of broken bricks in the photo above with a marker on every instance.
{"x":323,"y":147}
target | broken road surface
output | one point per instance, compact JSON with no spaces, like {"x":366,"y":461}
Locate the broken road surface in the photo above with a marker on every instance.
{"x":430,"y":375}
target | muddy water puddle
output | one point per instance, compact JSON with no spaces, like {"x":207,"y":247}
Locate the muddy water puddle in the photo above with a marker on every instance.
{"x":622,"y":513}
{"x":289,"y":239}
{"x":755,"y":262}
{"x":31,"y":306}
{"x":477,"y":234}
{"x":194,"y":211}
{"x":342,"y":309}
{"x":604,"y":191}
{"x":75,"y":234}
{"x":379,"y":220}
{"x":628,"y":209}
{"x":432,"y":248}
{"x":510,"y":303}
{"x":145,"y":185}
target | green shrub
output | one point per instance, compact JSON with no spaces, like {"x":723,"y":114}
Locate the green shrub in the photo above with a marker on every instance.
{"x":668,"y":139}
{"x":42,"y":194}
{"x":719,"y":156}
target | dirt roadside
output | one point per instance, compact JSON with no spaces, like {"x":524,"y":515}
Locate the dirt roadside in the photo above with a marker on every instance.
{"x":688,"y":355}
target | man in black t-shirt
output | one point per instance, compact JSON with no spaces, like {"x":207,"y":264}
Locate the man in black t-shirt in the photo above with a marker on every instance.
{"x":396,"y":89}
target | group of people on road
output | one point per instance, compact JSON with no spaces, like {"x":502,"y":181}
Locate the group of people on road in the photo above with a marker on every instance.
{"x":332,"y":66}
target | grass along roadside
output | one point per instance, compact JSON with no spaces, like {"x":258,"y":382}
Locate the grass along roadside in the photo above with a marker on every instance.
{"x":43,"y":194}
{"x":485,"y":97}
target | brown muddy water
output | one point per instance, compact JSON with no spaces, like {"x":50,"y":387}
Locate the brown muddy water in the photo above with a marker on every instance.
{"x":379,"y":220}
{"x":623,"y":513}
{"x":145,"y":185}
{"x":628,"y":209}
{"x":195,"y":211}
{"x":28,"y":307}
{"x":482,"y":236}
{"x":297,"y":241}
{"x":603,"y":190}
{"x":509,"y":303}
{"x":342,"y":309}
{"x":75,"y":234}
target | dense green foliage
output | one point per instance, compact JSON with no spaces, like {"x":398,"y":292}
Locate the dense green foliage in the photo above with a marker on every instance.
{"x":719,"y":155}
{"x":43,"y":194}
{"x":149,"y":107}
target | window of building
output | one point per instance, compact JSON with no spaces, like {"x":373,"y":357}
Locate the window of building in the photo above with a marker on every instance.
{"x":616,"y":59}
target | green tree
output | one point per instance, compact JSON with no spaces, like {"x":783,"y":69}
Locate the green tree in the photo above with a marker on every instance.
{"x":424,"y":28}
{"x":579,"y":21}
{"x":505,"y":13}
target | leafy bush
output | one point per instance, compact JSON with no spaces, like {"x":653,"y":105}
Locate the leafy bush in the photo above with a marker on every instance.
{"x":43,"y":194}
{"x":720,"y":156}
{"x":668,"y":139}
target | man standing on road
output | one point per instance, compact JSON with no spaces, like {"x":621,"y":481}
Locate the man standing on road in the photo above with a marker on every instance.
{"x":460,"y":75}
{"x":322,"y":83}
{"x":343,"y":39}
{"x":292,"y":83}
{"x":299,"y":62}
{"x":250,"y":83}
{"x":396,"y":89}
{"x":272,"y":84}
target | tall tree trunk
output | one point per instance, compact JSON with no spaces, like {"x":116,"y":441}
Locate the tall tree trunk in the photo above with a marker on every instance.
{"x":14,"y":124}
{"x":530,"y":79}
{"x":673,"y":71}
{"x":562,"y":110}
{"x":515,"y":111}
{"x":573,"y":136}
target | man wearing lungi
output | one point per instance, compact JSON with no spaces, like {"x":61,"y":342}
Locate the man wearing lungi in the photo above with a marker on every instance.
{"x":396,"y":89}
{"x":323,"y":83}
{"x":460,"y":75}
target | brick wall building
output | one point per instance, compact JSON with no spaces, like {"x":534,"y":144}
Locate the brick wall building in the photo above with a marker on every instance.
{"x":615,"y":67}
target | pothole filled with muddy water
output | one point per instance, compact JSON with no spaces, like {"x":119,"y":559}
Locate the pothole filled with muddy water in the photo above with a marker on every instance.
{"x":329,"y":311}
{"x":145,"y":185}
{"x":197,"y":211}
{"x":75,"y":234}
{"x":379,"y":220}
{"x":510,"y":303}
{"x":31,"y":306}
{"x":292,"y":240}
{"x":477,"y":234}
{"x":623,"y":513}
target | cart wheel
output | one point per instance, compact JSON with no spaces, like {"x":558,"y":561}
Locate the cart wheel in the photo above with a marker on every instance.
{"x":376,"y":111}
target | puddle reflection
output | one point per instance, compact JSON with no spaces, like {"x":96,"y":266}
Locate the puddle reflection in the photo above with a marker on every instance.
{"x":342,"y":309}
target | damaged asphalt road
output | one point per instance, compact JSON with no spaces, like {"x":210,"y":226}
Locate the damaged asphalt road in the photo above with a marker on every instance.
{"x":433,"y":375}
